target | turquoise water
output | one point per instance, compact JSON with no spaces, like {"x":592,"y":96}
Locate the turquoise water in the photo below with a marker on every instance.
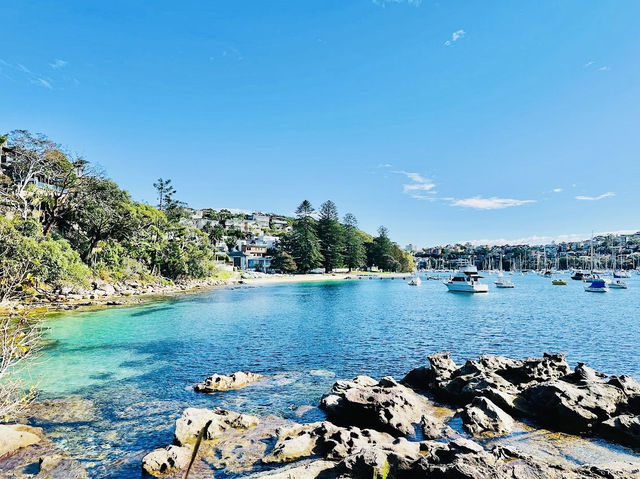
{"x":137,"y":364}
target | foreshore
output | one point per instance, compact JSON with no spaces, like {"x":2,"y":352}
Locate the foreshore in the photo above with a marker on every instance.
{"x":105,"y":294}
{"x":491,"y":417}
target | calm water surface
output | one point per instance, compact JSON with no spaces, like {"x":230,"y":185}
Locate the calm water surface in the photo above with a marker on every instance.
{"x":137,"y":364}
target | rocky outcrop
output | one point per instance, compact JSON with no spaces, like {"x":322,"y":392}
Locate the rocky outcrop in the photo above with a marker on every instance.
{"x":385,"y":406}
{"x":482,"y":418}
{"x":222,"y":423}
{"x":544,"y":390}
{"x":371,"y":425}
{"x":189,"y":425}
{"x":225,"y":382}
{"x":26,"y":452}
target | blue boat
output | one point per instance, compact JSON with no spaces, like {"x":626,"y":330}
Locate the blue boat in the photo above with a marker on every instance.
{"x":597,"y":285}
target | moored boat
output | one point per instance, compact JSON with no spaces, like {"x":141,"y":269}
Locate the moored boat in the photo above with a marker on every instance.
{"x":466,"y":280}
{"x":597,"y":285}
{"x":559,"y":282}
{"x":415,"y":281}
{"x":618,"y":284}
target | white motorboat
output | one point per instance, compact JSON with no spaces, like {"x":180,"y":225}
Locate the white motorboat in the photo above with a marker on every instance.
{"x":466,"y":280}
{"x":617,"y":284}
{"x":504,"y":283}
{"x":415,"y":281}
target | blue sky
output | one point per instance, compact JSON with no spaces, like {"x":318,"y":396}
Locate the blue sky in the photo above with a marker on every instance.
{"x":444,"y":121}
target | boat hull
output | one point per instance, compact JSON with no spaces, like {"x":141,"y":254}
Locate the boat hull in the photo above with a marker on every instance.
{"x":467,"y":288}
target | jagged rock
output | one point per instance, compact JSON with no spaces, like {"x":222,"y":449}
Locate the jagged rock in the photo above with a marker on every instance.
{"x":624,"y":429}
{"x":17,"y":436}
{"x":317,"y":469}
{"x":482,"y":418}
{"x":165,"y":461}
{"x":189,"y":425}
{"x":574,"y":408}
{"x":434,"y":428}
{"x":385,"y":406}
{"x":294,"y":443}
{"x":337,"y":442}
{"x":224,"y":382}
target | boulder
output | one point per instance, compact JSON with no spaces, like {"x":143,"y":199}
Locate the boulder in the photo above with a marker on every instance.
{"x":17,"y":436}
{"x":225,"y":382}
{"x":167,"y":460}
{"x":624,"y":429}
{"x":573,"y":408}
{"x":294,"y":443}
{"x":189,"y":425}
{"x":482,"y":418}
{"x":385,"y":406}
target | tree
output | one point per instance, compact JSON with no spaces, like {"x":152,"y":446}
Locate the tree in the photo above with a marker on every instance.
{"x":283,"y":262}
{"x":30,"y":163}
{"x":20,"y":342}
{"x":305,"y":247}
{"x":331,"y":236}
{"x":67,"y":175}
{"x":355,"y":255}
{"x":164,"y":193}
{"x":103,"y":211}
{"x":382,"y":252}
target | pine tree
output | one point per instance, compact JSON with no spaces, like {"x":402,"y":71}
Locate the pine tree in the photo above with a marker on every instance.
{"x":331,"y":236}
{"x":354,"y":252}
{"x":305,"y":247}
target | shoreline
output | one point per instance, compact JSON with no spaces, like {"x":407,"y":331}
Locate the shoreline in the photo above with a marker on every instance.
{"x":140,"y":294}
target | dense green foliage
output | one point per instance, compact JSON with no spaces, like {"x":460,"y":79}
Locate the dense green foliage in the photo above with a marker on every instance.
{"x":61,"y":223}
{"x":329,"y":244}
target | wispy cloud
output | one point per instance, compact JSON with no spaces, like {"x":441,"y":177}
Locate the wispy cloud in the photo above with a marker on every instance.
{"x":18,"y":70}
{"x":42,"y":82}
{"x":383,"y":3}
{"x":557,"y":190}
{"x":455,"y":36}
{"x":589,"y":63}
{"x":418,"y":186}
{"x":604,"y":69}
{"x":58,"y":64}
{"x":493,"y":203}
{"x":384,"y":165}
{"x":595,"y":198}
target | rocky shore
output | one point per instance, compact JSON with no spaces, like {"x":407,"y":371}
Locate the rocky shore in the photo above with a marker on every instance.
{"x":375,"y":425}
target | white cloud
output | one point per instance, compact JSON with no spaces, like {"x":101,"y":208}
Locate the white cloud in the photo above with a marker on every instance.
{"x":383,"y":3}
{"x":545,"y":239}
{"x":42,"y":82}
{"x":589,"y":63}
{"x":480,"y":203}
{"x":418,"y":187}
{"x":58,"y":64}
{"x":604,"y":69}
{"x":595,"y":198}
{"x":384,"y":165}
{"x":418,"y":184}
{"x":557,"y":190}
{"x":455,"y":36}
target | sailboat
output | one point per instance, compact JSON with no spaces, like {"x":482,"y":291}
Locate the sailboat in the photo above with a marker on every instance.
{"x":502,"y":282}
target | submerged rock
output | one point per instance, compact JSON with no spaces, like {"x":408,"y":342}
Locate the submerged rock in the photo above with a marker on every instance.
{"x":17,"y":436}
{"x":225,"y":382}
